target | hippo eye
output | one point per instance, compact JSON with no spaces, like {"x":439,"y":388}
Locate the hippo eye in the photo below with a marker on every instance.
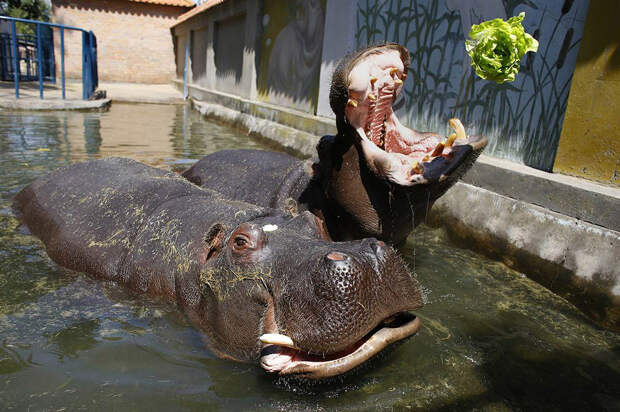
{"x":240,"y":242}
{"x":246,"y":239}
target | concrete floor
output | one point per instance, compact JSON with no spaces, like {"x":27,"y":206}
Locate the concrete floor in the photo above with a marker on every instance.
{"x":52,"y":95}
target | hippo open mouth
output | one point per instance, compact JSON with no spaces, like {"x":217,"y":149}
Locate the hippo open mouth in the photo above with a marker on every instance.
{"x":281,"y":355}
{"x":373,"y":80}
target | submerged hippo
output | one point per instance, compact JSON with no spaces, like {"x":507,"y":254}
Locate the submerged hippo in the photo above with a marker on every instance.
{"x":263,"y":285}
{"x":374,"y":178}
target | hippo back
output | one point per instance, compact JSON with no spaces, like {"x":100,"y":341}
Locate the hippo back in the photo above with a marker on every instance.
{"x":259,"y":177}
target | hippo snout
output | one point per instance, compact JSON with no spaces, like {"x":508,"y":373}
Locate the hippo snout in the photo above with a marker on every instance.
{"x":353,"y":289}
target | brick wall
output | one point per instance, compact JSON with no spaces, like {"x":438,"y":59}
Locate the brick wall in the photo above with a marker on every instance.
{"x":134,"y":43}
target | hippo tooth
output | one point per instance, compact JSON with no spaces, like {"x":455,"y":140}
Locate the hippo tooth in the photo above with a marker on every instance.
{"x":398,"y":81}
{"x":451,"y":140}
{"x":393,"y":70}
{"x":438,"y":149}
{"x":277,"y":339}
{"x":352,"y":102}
{"x":416,"y":168}
{"x":372,"y":97}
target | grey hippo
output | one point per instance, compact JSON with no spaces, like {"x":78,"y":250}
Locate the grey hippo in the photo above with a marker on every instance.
{"x":375,"y":178}
{"x":262,"y":284}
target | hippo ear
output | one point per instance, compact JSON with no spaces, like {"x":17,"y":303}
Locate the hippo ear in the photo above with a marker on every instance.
{"x":214,"y":240}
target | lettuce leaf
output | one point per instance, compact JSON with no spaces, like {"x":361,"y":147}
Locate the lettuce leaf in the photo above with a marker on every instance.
{"x":497,"y":46}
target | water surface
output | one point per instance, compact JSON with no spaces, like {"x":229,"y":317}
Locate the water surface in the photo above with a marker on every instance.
{"x":491,"y":338}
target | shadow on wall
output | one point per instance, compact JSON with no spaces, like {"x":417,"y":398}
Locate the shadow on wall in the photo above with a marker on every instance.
{"x":604,"y":40}
{"x":229,"y":42}
{"x":523,"y":119}
{"x":291,"y":45}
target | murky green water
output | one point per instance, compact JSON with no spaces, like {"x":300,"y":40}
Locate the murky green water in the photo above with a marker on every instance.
{"x":491,"y":338}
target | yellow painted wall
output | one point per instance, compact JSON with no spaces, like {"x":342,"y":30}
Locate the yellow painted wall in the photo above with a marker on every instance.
{"x":590,"y":141}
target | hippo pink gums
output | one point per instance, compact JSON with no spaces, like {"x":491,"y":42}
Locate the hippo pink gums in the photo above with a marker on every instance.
{"x":374,"y":178}
{"x":262,"y":284}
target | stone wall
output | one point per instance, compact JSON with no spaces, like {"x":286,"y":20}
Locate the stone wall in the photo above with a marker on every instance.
{"x":133,"y":39}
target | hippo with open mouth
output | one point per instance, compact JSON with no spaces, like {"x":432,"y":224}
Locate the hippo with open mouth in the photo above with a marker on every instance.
{"x":262,"y":284}
{"x":375,"y":178}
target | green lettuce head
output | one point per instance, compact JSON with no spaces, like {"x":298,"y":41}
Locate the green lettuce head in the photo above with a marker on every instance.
{"x":496,"y":48}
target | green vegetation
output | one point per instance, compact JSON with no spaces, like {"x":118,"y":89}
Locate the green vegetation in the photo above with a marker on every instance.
{"x":25,"y":9}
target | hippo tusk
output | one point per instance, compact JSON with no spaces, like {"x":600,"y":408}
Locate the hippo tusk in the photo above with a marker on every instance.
{"x":352,"y":103}
{"x":373,"y":80}
{"x":372,"y":97}
{"x":398,"y":81}
{"x":459,"y":131}
{"x":277,"y":339}
{"x":393,"y":70}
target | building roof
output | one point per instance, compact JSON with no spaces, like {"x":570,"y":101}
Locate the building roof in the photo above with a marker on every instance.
{"x":178,"y":3}
{"x":196,"y":10}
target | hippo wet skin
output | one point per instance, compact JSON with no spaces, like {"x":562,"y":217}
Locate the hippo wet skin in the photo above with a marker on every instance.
{"x":262,"y":284}
{"x":374,"y":178}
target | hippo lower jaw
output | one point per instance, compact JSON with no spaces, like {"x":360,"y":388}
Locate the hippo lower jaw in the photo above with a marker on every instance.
{"x":289,"y":360}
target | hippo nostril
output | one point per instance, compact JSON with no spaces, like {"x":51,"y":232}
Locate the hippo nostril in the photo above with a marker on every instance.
{"x":378,"y":247}
{"x":337,"y":256}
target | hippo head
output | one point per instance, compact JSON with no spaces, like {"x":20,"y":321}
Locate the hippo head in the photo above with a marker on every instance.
{"x":276,"y":288}
{"x":365,"y":85}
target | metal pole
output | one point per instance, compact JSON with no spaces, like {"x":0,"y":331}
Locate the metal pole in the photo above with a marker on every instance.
{"x":40,"y":60}
{"x":84,"y":69}
{"x":185,"y":68}
{"x":93,"y":60}
{"x":62,"y":60}
{"x":15,"y":58}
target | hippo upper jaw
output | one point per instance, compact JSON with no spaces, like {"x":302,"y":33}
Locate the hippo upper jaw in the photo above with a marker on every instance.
{"x":367,"y":87}
{"x":285,"y":359}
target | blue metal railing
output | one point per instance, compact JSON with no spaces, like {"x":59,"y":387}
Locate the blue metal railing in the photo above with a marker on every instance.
{"x":90,"y":78}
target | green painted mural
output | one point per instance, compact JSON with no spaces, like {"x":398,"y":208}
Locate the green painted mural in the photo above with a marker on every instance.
{"x":290,"y":59}
{"x":522,"y":120}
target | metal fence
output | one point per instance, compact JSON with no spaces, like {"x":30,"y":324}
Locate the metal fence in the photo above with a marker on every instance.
{"x":23,"y":55}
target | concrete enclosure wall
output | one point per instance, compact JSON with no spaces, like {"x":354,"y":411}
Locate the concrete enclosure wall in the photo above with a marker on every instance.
{"x":290,"y":49}
{"x":228,"y":36}
{"x":521,"y":119}
{"x":222,"y":47}
{"x":590,"y":142}
{"x":133,"y":39}
{"x":290,"y":58}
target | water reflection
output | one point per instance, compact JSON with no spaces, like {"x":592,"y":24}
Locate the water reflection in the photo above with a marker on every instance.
{"x":491,"y":338}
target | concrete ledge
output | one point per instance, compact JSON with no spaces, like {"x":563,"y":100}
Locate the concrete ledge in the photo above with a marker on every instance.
{"x":142,"y":93}
{"x":295,"y":141}
{"x":55,"y":104}
{"x":567,"y":195}
{"x":575,"y":259}
{"x":314,"y":125}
